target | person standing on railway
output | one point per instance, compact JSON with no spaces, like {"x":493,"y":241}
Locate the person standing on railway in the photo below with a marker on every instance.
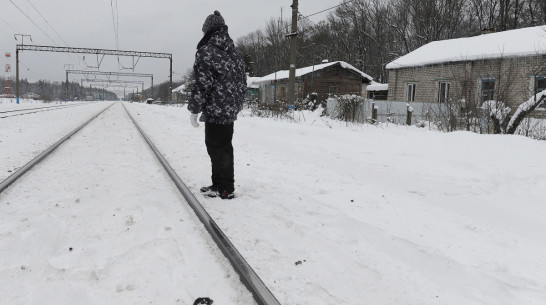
{"x":220,"y":86}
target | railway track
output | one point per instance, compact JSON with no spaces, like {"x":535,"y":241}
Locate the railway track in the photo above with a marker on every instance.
{"x":261,"y":294}
{"x":18,"y":112}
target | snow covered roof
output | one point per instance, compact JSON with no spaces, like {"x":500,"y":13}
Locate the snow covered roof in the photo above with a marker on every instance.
{"x":180,"y":88}
{"x":513,"y":43}
{"x":377,"y":87}
{"x":283,"y":74}
{"x":251,"y":82}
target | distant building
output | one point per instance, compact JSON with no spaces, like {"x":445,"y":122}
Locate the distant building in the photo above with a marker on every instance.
{"x":252,"y":88}
{"x":377,"y":91}
{"x":506,"y":66}
{"x":31,"y":96}
{"x":330,"y":78}
{"x":181,"y":94}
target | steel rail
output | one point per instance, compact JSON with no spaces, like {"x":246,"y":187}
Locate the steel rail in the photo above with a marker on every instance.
{"x":250,"y":279}
{"x":7,"y":111}
{"x":20,"y":172}
{"x":42,"y":110}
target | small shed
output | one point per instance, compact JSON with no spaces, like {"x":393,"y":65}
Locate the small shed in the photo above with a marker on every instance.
{"x":252,"y":88}
{"x":181,"y":94}
{"x":377,"y":91}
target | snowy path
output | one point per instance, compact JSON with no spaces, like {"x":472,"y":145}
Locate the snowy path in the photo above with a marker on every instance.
{"x":99,"y":222}
{"x":334,"y":214}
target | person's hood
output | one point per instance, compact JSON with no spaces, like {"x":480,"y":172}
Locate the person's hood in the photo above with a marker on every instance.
{"x":219,"y":38}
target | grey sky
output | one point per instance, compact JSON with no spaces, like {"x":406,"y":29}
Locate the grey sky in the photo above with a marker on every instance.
{"x":170,"y":26}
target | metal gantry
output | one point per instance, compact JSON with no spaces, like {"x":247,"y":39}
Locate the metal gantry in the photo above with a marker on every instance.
{"x":21,"y":47}
{"x":108,"y":74}
{"x":110,"y":82}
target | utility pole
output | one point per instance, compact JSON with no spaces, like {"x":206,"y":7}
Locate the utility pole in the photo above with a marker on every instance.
{"x":170,"y":82}
{"x":66,"y":95}
{"x":293,"y":51}
{"x":69,"y":66}
{"x":17,"y":62}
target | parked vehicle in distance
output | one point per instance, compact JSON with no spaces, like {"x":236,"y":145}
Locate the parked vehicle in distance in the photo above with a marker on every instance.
{"x":149,"y":101}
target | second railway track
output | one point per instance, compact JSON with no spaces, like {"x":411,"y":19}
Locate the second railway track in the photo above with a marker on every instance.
{"x":18,"y":112}
{"x":110,"y":191}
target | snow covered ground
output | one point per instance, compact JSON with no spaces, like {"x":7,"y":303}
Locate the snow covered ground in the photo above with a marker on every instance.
{"x":325,"y":213}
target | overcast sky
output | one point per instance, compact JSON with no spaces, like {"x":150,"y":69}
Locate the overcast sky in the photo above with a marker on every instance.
{"x":169,"y":26}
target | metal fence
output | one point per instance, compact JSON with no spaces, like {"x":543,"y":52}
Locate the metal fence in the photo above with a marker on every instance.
{"x":387,"y":111}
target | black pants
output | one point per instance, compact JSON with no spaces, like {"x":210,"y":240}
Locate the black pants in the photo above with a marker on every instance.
{"x":218,"y":140}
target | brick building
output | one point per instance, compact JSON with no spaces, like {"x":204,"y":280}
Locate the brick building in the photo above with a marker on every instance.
{"x":325,"y":79}
{"x":506,"y":66}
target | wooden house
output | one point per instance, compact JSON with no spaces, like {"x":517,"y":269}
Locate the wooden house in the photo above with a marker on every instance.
{"x":323,"y":80}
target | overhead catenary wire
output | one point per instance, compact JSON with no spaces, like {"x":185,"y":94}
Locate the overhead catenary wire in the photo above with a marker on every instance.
{"x":35,"y":24}
{"x":48,"y":25}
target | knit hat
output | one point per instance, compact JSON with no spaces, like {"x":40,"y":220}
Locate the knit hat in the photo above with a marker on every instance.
{"x":213,"y":21}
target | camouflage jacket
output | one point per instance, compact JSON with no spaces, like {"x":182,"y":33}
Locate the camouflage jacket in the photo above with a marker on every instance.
{"x":220,"y":79}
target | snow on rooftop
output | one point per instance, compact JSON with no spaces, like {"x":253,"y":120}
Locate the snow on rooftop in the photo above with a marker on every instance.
{"x":283,"y":74}
{"x":520,"y":42}
{"x":251,"y":82}
{"x":377,"y":87}
{"x":180,"y":88}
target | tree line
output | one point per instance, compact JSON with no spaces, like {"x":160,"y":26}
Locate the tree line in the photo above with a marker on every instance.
{"x":371,"y":33}
{"x":56,"y":91}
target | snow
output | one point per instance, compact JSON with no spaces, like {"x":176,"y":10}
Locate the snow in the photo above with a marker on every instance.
{"x":526,"y":106}
{"x":377,"y":87}
{"x":181,"y":88}
{"x":251,"y":82}
{"x":326,"y":213}
{"x":496,"y":109}
{"x":520,"y":42}
{"x":284,"y":74}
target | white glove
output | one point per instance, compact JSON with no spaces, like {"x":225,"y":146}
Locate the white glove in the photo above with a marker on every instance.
{"x":193,"y":120}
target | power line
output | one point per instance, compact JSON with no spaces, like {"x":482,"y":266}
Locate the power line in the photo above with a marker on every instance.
{"x":41,"y":30}
{"x":325,"y":10}
{"x":331,"y":8}
{"x":14,"y":30}
{"x":115,"y":23}
{"x":47,"y":23}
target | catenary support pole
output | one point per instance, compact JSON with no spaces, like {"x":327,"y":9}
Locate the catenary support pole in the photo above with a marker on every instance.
{"x":293,"y":35}
{"x":17,"y":75}
{"x":171,"y":81}
{"x":66,"y":95}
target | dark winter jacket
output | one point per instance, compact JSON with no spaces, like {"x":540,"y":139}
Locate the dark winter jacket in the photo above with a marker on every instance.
{"x":220,"y":79}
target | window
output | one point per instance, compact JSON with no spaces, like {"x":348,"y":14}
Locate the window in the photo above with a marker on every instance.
{"x":411,"y":93}
{"x":273,"y":94}
{"x":540,"y":85}
{"x":443,"y":92}
{"x":488,"y":90}
{"x":333,"y":89}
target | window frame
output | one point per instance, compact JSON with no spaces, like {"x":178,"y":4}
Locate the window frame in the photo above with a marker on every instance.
{"x":536,"y":90}
{"x":491,"y":91}
{"x":445,"y":97}
{"x":410,"y":93}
